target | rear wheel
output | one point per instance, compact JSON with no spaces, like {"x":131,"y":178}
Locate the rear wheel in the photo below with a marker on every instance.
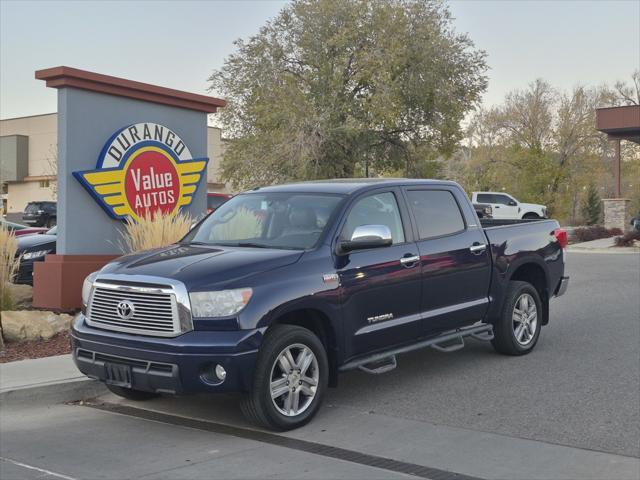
{"x":517,"y":330}
{"x":130,"y":394}
{"x":290,"y":379}
{"x":51,"y":222}
{"x":530,"y":216}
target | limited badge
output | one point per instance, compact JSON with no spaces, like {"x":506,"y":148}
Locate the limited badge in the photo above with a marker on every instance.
{"x":142,"y":169}
{"x":330,"y":278}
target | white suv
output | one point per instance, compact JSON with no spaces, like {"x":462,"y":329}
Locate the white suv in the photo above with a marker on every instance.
{"x":506,"y":207}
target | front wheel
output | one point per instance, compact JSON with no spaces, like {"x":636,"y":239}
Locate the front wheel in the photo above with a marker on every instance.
{"x":530,"y":216}
{"x":290,"y":379}
{"x":517,"y":330}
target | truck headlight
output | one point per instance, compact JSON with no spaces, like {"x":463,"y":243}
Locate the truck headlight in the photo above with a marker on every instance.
{"x":36,"y":254}
{"x":87,"y":285}
{"x":222,"y":303}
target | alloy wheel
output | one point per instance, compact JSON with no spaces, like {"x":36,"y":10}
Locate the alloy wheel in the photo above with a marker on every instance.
{"x":294,"y":380}
{"x":525,"y":319}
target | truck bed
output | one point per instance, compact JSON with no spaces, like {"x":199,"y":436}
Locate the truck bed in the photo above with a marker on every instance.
{"x":497,"y":222}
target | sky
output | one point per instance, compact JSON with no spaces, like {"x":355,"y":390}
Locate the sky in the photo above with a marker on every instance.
{"x":178,"y":44}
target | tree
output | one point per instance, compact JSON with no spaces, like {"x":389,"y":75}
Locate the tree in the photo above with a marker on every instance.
{"x":331,"y":88}
{"x":591,"y":207}
{"x":625,"y":94}
{"x":540,"y":144}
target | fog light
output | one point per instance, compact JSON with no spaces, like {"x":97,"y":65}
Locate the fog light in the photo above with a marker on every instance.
{"x":213,"y":374}
{"x":221,"y":373}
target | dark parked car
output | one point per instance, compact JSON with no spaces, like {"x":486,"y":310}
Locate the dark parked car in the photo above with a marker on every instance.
{"x":40,"y":214}
{"x":19,"y":230}
{"x":283,"y":287}
{"x":214,"y":200}
{"x":31,"y":249}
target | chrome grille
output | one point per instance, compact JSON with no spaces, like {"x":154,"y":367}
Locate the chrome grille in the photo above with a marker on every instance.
{"x":154,"y":312}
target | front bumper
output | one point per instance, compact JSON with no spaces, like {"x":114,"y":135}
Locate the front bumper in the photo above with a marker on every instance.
{"x":33,"y":220}
{"x":562,"y":286}
{"x":167,"y":365}
{"x":25,"y":272}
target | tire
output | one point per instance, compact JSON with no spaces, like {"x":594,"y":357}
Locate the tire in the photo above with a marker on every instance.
{"x":258,"y":405}
{"x":51,"y":222}
{"x":506,"y":328}
{"x":530,"y":216}
{"x":130,"y":394}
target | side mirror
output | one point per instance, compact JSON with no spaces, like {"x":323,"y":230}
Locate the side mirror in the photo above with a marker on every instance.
{"x":367,"y":236}
{"x":512,"y":203}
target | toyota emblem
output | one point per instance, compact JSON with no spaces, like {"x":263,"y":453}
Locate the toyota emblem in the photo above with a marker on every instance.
{"x":125,"y":309}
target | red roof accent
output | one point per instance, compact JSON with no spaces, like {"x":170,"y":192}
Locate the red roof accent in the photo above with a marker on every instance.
{"x":63,"y":77}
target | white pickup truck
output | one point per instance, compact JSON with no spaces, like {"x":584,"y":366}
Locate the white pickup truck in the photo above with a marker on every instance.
{"x":504,"y":206}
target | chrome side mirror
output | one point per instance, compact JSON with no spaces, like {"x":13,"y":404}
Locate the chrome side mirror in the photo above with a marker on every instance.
{"x":367,"y":236}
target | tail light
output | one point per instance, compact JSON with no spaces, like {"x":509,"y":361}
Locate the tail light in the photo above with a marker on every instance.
{"x":561,"y":236}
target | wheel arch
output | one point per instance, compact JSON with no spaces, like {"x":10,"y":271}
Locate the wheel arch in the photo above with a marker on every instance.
{"x":534,"y":274}
{"x":320,"y":324}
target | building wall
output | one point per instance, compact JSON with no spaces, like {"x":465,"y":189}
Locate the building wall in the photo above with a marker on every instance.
{"x":42,"y":131}
{"x":21,"y":193}
{"x":214,"y":149}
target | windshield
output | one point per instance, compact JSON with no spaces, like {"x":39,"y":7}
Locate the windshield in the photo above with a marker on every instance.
{"x":268,"y":220}
{"x":32,"y":208}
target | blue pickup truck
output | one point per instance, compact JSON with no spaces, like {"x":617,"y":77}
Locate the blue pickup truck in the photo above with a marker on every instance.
{"x":282,"y":288}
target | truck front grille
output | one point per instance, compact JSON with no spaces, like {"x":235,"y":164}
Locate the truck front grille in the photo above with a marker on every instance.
{"x":134,"y":309}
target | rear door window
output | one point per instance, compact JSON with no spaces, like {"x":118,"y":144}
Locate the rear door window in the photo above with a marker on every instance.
{"x":502,"y":199}
{"x":436,"y":213}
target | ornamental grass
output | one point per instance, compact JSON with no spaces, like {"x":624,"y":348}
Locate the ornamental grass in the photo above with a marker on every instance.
{"x":154,"y":231}
{"x":9,"y":264}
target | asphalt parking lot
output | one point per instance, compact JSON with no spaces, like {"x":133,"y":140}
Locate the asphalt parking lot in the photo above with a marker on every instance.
{"x":579,"y":387}
{"x":571,"y":409}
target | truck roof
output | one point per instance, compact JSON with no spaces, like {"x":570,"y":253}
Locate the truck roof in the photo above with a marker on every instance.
{"x":348,"y":186}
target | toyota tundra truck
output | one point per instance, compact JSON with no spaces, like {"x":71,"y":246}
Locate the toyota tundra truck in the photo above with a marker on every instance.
{"x":284,"y":287}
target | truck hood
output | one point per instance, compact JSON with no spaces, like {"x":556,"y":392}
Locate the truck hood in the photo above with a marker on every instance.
{"x":202,"y":267}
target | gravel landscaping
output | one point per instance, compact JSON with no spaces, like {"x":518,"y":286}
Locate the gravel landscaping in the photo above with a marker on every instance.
{"x":56,"y":345}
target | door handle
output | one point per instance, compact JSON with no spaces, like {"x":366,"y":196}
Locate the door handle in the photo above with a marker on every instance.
{"x":409,"y":261}
{"x":477,"y":249}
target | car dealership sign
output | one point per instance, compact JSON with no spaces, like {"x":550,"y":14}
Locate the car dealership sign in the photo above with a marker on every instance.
{"x":141,"y":169}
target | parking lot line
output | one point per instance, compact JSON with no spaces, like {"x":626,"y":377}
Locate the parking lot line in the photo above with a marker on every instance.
{"x":37,"y":469}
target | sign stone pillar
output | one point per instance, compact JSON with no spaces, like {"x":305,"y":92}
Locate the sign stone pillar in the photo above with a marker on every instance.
{"x":617,"y":213}
{"x":123,"y":147}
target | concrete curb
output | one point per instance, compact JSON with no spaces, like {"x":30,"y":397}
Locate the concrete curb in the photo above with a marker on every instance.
{"x":69,"y":390}
{"x":612,"y":250}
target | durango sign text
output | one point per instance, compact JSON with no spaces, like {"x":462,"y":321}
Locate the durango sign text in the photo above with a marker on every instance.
{"x":141,"y":169}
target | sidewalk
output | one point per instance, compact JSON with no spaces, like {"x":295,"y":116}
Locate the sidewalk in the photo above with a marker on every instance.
{"x":602,"y":245}
{"x":57,"y":378}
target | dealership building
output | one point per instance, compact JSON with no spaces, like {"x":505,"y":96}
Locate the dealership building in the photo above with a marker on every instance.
{"x":28,"y":162}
